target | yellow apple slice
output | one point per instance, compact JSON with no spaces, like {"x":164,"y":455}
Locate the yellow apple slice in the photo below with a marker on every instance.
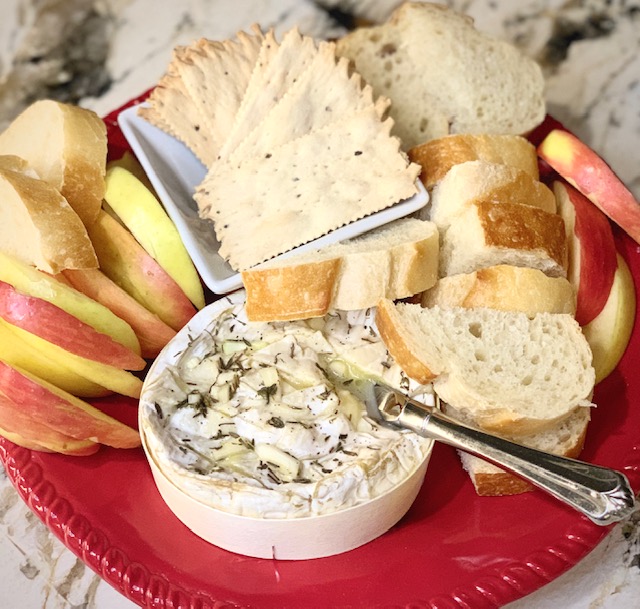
{"x":140,"y":211}
{"x":109,"y":377}
{"x":33,"y":282}
{"x":609,"y":333}
{"x":16,"y":352}
{"x":126,"y":263}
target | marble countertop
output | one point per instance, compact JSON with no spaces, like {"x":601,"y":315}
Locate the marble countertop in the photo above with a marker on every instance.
{"x":100,"y":53}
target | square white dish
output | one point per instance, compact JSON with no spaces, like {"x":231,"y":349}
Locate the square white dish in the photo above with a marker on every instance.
{"x":175,"y":172}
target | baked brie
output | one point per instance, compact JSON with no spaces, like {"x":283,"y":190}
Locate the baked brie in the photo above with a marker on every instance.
{"x":268,"y":420}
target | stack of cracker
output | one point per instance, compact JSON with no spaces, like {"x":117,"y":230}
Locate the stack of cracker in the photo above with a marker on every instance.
{"x":294,"y":141}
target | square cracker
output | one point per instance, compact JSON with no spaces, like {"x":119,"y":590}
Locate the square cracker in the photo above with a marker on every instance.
{"x":301,"y":190}
{"x":277,"y":68}
{"x":327,"y":91}
{"x":216,"y":75}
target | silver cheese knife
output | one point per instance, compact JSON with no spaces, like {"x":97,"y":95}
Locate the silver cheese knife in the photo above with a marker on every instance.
{"x":600,"y":493}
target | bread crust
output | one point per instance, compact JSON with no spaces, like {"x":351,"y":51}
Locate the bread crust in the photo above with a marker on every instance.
{"x":437,"y":157}
{"x":50,"y":235}
{"x":398,"y":343}
{"x":504,"y":287}
{"x":70,"y":154}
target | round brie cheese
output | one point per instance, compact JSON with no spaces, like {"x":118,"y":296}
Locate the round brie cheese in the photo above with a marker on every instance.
{"x":268,"y":420}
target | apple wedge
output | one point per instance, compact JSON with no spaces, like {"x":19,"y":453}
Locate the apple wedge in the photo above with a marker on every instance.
{"x":32,"y":433}
{"x":609,"y":333}
{"x":55,"y":325}
{"x":153,"y":334}
{"x":109,"y":377}
{"x":33,"y":282}
{"x":16,"y":352}
{"x":140,"y":211}
{"x":590,"y":174}
{"x":592,"y":251}
{"x":60,"y":411}
{"x":125,"y":262}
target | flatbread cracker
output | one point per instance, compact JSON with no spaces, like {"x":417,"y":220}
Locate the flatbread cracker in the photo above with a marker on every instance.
{"x":216,"y":75}
{"x":172,"y":110}
{"x":326,"y":92}
{"x":301,"y":190}
{"x":277,"y":68}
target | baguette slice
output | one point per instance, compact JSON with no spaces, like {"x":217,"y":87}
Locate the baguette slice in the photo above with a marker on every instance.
{"x":486,"y":234}
{"x":437,"y":157}
{"x":395,"y":261}
{"x":67,"y":147}
{"x":504,"y":287}
{"x":480,"y":181}
{"x":566,"y":439}
{"x":443,"y":76}
{"x":512,"y":373}
{"x":39,"y":227}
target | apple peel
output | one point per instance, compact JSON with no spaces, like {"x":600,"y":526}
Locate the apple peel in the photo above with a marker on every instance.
{"x":39,"y":401}
{"x":51,"y":323}
{"x":584,"y":169}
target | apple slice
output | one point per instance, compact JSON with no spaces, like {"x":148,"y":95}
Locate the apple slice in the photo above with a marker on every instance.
{"x":32,"y":433}
{"x":51,"y":323}
{"x":37,"y":400}
{"x":139,"y":210}
{"x":16,"y":352}
{"x":151,"y":331}
{"x":590,"y":174}
{"x":609,"y":333}
{"x":109,"y":377}
{"x":129,"y":162}
{"x":592,"y":251}
{"x":33,"y":282}
{"x":125,"y":262}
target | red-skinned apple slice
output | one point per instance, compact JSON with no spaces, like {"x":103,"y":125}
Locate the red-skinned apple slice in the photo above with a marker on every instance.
{"x":609,"y":333}
{"x":592,"y":251}
{"x":38,"y":401}
{"x":16,"y":352}
{"x":55,"y":325}
{"x":125,"y":262}
{"x":29,"y":280}
{"x":590,"y":174}
{"x":37,"y":435}
{"x":24,"y":442}
{"x":151,"y":331}
{"x":109,"y":377}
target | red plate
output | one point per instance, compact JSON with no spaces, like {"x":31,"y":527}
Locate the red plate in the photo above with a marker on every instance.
{"x":453,"y":549}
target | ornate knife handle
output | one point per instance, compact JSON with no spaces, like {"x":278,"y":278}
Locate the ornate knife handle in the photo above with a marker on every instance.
{"x":600,"y":493}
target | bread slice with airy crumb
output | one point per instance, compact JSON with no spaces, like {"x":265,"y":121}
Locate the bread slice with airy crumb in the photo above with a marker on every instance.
{"x":444,"y":76}
{"x":510,"y":372}
{"x":397,"y":260}
{"x":486,"y":234}
{"x":480,"y":181}
{"x":505,"y":287}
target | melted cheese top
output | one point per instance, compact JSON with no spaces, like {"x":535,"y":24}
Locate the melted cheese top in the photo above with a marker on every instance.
{"x":268,"y":420}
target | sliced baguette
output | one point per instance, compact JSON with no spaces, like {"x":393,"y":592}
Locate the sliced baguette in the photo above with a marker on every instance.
{"x":395,"y":261}
{"x":566,"y":439}
{"x":437,"y":157}
{"x":505,"y":287}
{"x":480,"y":181}
{"x":511,"y":373}
{"x":458,"y":89}
{"x":39,"y":227}
{"x":486,"y":234}
{"x":67,"y":147}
